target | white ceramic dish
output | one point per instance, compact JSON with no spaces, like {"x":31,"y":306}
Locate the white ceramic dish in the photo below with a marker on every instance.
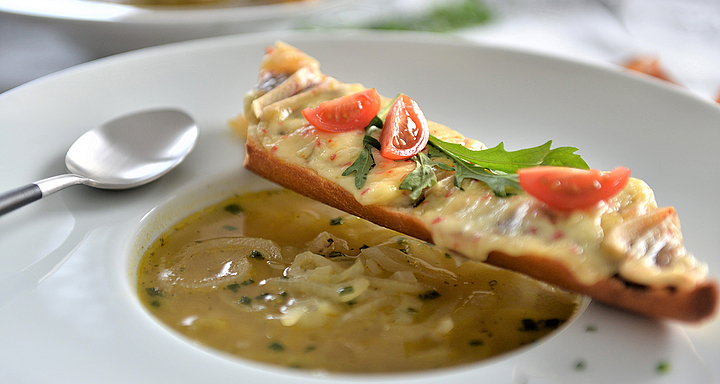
{"x":106,"y":28}
{"x":68,"y":311}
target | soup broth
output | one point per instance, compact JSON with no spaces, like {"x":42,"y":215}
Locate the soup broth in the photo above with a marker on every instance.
{"x":278,"y":278}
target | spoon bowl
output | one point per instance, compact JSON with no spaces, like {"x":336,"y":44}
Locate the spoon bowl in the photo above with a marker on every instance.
{"x":126,"y":152}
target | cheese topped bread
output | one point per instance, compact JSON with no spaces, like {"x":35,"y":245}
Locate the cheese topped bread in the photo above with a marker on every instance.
{"x":622,"y":250}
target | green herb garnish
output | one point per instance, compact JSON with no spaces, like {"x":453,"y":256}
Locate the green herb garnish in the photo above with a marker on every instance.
{"x":663,"y":367}
{"x":404,"y":243}
{"x":263,"y":296}
{"x":500,"y":160}
{"x":551,"y":323}
{"x":345,"y":290}
{"x":255,"y":254}
{"x":580,"y":365}
{"x":476,"y":343}
{"x":495,"y":166}
{"x":336,"y":221}
{"x":429,"y":295}
{"x":233,"y":208}
{"x":529,"y":325}
{"x":365,"y":161}
{"x":154,"y":292}
{"x":536,"y":325}
{"x":500,"y":183}
{"x":441,"y":18}
{"x":423,"y":176}
{"x":276,"y":347}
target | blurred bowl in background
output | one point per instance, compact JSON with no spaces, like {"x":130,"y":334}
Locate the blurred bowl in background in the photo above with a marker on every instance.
{"x":108,"y":27}
{"x":683,"y":34}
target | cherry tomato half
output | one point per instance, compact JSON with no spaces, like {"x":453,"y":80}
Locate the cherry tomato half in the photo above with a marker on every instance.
{"x":345,"y":113}
{"x":570,"y":189}
{"x":405,"y":132}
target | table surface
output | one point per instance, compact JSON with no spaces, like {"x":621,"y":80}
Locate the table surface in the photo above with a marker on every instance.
{"x":614,"y":31}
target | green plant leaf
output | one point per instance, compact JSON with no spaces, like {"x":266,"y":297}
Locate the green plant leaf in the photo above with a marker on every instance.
{"x":423,"y":176}
{"x":502,"y":184}
{"x":365,"y":161}
{"x":498,"y":159}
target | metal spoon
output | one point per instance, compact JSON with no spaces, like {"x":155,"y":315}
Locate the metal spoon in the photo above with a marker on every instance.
{"x":123,"y":153}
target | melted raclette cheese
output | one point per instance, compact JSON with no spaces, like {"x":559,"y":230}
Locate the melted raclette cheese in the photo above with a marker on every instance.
{"x":627,"y":236}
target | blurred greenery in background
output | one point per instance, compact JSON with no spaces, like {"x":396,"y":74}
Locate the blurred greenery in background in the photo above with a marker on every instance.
{"x":440,"y":18}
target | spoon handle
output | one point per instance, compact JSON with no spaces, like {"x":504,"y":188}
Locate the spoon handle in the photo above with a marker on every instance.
{"x":19,"y":197}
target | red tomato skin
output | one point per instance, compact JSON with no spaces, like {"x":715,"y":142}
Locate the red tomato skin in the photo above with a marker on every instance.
{"x":347,"y":113}
{"x":569,"y":189}
{"x":397,"y":140}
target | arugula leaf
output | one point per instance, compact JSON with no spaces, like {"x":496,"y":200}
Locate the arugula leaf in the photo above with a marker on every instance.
{"x":499,"y":182}
{"x":495,"y":166}
{"x":365,"y":161}
{"x":421,"y":177}
{"x":380,"y":117}
{"x":565,"y":157}
{"x":498,"y":159}
{"x":434,"y":152}
{"x":376,"y":122}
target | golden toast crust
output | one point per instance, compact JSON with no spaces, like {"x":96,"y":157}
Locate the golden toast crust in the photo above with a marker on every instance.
{"x":696,"y":305}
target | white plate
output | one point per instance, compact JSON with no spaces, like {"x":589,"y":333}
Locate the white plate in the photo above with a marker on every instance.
{"x":68,"y":311}
{"x":107,"y":28}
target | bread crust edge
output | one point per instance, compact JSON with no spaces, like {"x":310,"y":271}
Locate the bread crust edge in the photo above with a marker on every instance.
{"x":693,"y":306}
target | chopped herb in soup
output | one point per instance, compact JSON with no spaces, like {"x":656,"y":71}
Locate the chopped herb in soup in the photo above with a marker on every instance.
{"x":275,"y":277}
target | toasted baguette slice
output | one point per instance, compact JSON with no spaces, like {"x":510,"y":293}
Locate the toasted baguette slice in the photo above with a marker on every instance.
{"x":281,"y":146}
